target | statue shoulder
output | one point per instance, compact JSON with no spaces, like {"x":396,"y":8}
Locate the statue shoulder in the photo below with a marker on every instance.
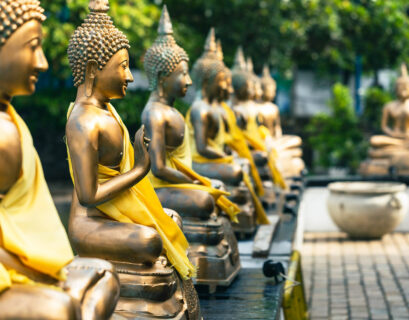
{"x":84,"y":121}
{"x":8,"y":130}
{"x":154,"y":113}
{"x":391,"y":105}
{"x":200,"y":105}
{"x":199,"y":109}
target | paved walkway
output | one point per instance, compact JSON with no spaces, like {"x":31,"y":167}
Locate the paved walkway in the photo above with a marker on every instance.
{"x":347,"y":279}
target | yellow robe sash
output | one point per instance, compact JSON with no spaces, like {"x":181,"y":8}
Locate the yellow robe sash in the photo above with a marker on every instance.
{"x":222,"y":137}
{"x":181,"y":159}
{"x":254,"y":137}
{"x":29,"y":223}
{"x":236,"y":140}
{"x":140,"y":204}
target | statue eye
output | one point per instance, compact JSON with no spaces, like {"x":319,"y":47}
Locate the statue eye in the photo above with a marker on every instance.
{"x":35,"y":43}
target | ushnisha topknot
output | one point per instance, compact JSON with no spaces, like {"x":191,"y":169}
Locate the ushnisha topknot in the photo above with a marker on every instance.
{"x":403,"y":78}
{"x":240,"y":75}
{"x":266,"y":79}
{"x":96,"y":39}
{"x":14,"y":13}
{"x":209,"y":65}
{"x":164,"y":55}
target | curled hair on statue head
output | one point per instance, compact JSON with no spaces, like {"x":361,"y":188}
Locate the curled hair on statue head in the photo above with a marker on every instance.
{"x":162,"y":58}
{"x":14,"y":13}
{"x":97,"y":39}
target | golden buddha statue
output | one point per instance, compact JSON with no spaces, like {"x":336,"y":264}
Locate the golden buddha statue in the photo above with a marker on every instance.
{"x":390,"y":152}
{"x":39,"y":277}
{"x":115,"y":212}
{"x":247,"y":88}
{"x":213,"y":244}
{"x":288,"y":147}
{"x":208,"y":137}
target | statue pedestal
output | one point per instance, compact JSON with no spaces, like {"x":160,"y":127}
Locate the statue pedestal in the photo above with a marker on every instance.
{"x":213,"y":249}
{"x":396,"y":166}
{"x":156,"y":291}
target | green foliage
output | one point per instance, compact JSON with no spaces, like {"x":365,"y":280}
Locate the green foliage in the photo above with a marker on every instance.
{"x":337,"y":138}
{"x":134,"y":17}
{"x":375,"y":100}
{"x":316,"y":34}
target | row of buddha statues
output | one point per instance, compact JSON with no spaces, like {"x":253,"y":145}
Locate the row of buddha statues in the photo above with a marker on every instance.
{"x":146,"y":217}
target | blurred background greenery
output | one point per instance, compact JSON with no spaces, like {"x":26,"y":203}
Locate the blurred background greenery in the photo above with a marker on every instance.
{"x":321,"y":35}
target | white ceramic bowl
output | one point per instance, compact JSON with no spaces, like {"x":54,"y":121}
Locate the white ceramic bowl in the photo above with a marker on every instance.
{"x":367,"y":209}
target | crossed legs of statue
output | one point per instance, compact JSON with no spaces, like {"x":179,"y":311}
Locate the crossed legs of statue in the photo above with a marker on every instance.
{"x":90,"y":292}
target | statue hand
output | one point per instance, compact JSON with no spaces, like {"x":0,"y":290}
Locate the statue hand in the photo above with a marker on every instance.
{"x":141,"y":154}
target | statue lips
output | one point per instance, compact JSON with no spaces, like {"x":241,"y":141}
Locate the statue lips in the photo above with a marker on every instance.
{"x":34,"y":78}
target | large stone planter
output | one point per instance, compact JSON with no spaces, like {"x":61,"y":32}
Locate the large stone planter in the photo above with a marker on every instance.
{"x":367,"y":209}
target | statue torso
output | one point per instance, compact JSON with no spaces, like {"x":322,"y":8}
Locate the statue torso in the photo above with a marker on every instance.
{"x":267,"y":115}
{"x":10,"y":153}
{"x":173,"y":122}
{"x":399,"y":115}
{"x":212,"y":114}
{"x":107,"y":131}
{"x":243,"y":113}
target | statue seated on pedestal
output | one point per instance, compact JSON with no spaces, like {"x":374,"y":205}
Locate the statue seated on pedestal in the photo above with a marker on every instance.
{"x":213,"y":245}
{"x":115,"y":212}
{"x":288,"y":147}
{"x":390,"y":152}
{"x":39,"y":277}
{"x":244,"y":84}
{"x":208,"y":138}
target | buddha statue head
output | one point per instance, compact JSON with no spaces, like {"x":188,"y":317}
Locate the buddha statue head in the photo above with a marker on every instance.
{"x":98,"y":55}
{"x":243,"y":83}
{"x":166,"y":64}
{"x":402,"y":84}
{"x":225,"y":92}
{"x":268,"y":85}
{"x":258,"y":91}
{"x":21,"y":54}
{"x":209,"y":71}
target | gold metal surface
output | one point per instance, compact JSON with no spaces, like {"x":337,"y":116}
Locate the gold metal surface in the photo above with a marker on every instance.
{"x":268,"y":115}
{"x":211,"y":78}
{"x":391,"y":150}
{"x":213,"y":245}
{"x":150,"y":287}
{"x":92,"y":288}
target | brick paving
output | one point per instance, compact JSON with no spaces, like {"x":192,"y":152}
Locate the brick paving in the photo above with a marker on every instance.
{"x":347,"y":279}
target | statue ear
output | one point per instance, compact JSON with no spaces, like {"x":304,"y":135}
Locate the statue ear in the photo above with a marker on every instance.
{"x":90,"y":74}
{"x":160,"y":84}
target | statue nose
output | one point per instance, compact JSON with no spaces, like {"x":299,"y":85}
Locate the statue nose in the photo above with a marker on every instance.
{"x":40,"y":63}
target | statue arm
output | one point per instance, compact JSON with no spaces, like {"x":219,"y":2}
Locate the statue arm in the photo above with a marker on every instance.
{"x":240,"y":120}
{"x":83,"y":145}
{"x":11,"y":261}
{"x":385,"y":126}
{"x":277,"y":128}
{"x":157,"y":151}
{"x":200,"y":123}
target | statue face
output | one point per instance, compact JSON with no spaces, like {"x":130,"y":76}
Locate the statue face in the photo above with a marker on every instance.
{"x":228,"y":90}
{"x":269,"y":92}
{"x":250,"y":88}
{"x":402,"y":89}
{"x":258,"y":91}
{"x":218,"y":85}
{"x":175,"y":85}
{"x":112,"y":81}
{"x":21,"y":60}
